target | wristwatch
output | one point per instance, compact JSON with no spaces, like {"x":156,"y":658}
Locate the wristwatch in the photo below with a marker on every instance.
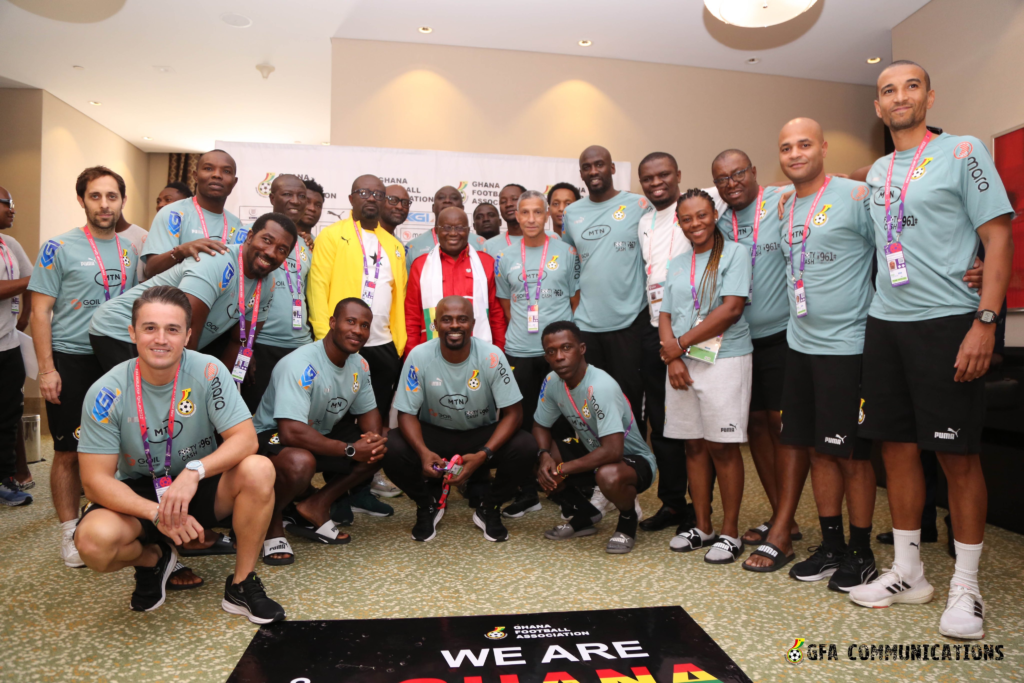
{"x":350,"y":451}
{"x":197,"y":467}
{"x":986,"y":316}
{"x":488,"y":452}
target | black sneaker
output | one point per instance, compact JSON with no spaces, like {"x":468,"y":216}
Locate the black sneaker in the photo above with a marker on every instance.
{"x":856,"y":567}
{"x":489,"y":521}
{"x":822,"y":564}
{"x":475,"y":492}
{"x":662,"y":519}
{"x":151,"y":582}
{"x":526,"y":501}
{"x":427,"y":518}
{"x":249,"y":599}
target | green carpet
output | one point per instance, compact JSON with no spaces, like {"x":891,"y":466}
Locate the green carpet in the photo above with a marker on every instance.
{"x":61,"y":624}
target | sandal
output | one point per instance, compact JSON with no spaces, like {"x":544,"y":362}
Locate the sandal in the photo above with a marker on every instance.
{"x":763,"y":531}
{"x":724,"y":543}
{"x":772,"y":552}
{"x":327,"y":532}
{"x":277,"y":546}
{"x":178,"y":569}
{"x":222,"y":546}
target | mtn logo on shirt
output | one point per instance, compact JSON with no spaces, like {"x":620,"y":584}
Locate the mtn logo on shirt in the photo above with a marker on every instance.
{"x":174,"y":224}
{"x":620,"y":213}
{"x":227,"y":275}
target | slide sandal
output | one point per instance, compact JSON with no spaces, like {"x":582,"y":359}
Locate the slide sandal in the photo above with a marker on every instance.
{"x":763,"y":530}
{"x":327,"y":533}
{"x":277,"y":546}
{"x":773,"y":553}
{"x":178,"y":568}
{"x":222,"y":546}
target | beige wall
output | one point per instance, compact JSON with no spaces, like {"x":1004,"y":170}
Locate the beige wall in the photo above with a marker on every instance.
{"x":972,"y":53}
{"x":158,"y":164}
{"x":21,"y":116}
{"x":506,"y":102}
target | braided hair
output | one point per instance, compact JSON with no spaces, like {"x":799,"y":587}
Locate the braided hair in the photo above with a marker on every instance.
{"x":709,"y":279}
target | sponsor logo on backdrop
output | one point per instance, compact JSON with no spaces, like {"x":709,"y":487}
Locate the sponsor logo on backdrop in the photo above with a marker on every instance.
{"x":263,"y":186}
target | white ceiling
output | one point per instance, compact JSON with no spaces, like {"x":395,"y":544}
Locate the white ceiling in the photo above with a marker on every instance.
{"x":213,"y":89}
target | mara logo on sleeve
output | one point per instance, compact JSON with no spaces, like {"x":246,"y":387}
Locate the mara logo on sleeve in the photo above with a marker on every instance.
{"x":105,"y":400}
{"x":174,"y":219}
{"x":963,"y":150}
{"x":227,"y":276}
{"x":308,"y":375}
{"x":49,"y":253}
{"x":185,"y":406}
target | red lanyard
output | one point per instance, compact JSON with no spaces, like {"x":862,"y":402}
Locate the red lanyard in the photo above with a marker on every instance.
{"x":433,"y":233}
{"x":807,"y":225}
{"x":757,"y":225}
{"x":295,"y":291}
{"x":903,"y":191}
{"x":579,"y":415}
{"x":540,"y":268}
{"x":99,"y":261}
{"x":8,"y":261}
{"x":650,"y":240}
{"x":202,"y":221}
{"x":508,"y":241}
{"x":366,"y":270}
{"x":693,"y":280}
{"x":241,"y":305}
{"x":141,"y":411}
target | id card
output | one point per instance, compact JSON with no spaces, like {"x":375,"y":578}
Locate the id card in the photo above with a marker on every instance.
{"x":750,"y":295}
{"x":706,"y":351}
{"x":16,"y":305}
{"x":369,"y":289}
{"x":241,"y":364}
{"x":161,"y":485}
{"x":897,"y":265}
{"x":801,"y":298}
{"x":655,"y":293}
{"x":296,"y":314}
{"x":533,"y":318}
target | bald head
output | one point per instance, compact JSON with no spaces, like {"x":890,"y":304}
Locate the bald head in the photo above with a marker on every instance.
{"x":804,"y":128}
{"x":802,"y":150}
{"x":596,"y":171}
{"x":455,"y":305}
{"x":288,"y":196}
{"x":218,"y":155}
{"x":595,"y":152}
{"x":445,"y":197}
{"x":394,"y":214}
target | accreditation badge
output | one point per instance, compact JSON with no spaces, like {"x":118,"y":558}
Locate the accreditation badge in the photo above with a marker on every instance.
{"x":241,"y":364}
{"x":897,"y":264}
{"x":801,"y":298}
{"x":533,"y":318}
{"x":705,"y":351}
{"x":296,"y":314}
{"x":655,"y":293}
{"x":161,"y":485}
{"x":369,"y":289}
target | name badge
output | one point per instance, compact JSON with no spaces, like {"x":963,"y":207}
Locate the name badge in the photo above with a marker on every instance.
{"x":369,"y":289}
{"x":533,"y":318}
{"x":750,"y":295}
{"x":655,"y":293}
{"x":161,"y":485}
{"x":705,"y":351}
{"x":15,"y":306}
{"x":801,"y":298}
{"x":897,"y":265}
{"x":296,"y":314}
{"x":241,"y":364}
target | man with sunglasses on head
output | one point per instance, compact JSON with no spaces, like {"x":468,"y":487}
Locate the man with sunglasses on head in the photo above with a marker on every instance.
{"x":359,"y":257}
{"x":396,"y":208}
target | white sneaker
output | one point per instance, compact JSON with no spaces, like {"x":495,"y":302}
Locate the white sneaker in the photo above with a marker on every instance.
{"x":68,"y":551}
{"x":965,"y":613}
{"x":602,"y":504}
{"x":891,"y":587}
{"x":382,"y":487}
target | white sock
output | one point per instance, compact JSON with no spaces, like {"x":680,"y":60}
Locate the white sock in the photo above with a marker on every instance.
{"x":704,"y":536}
{"x":967,"y":559}
{"x":69,"y":526}
{"x":908,"y":553}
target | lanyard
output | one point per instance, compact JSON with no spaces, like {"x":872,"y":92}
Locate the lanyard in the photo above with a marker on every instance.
{"x":903,"y":191}
{"x":99,"y":261}
{"x":807,"y":225}
{"x":650,"y":240}
{"x":202,"y":221}
{"x":693,"y":281}
{"x":757,"y":225}
{"x":579,"y":415}
{"x":141,"y":411}
{"x":433,"y":233}
{"x":540,"y":268}
{"x":241,"y":305}
{"x":8,"y":261}
{"x":366,"y":270}
{"x":295,"y":291}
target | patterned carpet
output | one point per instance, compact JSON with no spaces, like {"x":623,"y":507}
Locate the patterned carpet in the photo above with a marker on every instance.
{"x":65,"y":625}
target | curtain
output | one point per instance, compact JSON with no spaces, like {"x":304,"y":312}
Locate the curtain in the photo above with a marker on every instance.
{"x":180,"y":168}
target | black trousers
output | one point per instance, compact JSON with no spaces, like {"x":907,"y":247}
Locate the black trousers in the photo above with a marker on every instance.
{"x":12,"y":405}
{"x":670,"y":453}
{"x":385,"y":369}
{"x":620,"y":354}
{"x":264,"y":359}
{"x":110,"y":352}
{"x":515,"y":462}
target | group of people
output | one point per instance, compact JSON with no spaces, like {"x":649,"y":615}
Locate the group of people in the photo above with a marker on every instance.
{"x":551,"y":353}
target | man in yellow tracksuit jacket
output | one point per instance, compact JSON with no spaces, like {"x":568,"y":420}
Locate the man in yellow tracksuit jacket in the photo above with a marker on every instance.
{"x":358,"y":258}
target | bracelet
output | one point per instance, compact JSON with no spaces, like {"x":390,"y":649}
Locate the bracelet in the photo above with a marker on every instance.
{"x":47,"y":372}
{"x":679,"y":344}
{"x":156,"y":517}
{"x":558,"y":470}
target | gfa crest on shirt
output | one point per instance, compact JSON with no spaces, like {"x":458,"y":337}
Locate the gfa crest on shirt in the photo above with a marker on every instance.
{"x":620,"y":213}
{"x":474,"y":381}
{"x":185,"y":406}
{"x":274,"y":440}
{"x":355,"y":382}
{"x":921,"y":170}
{"x":586,"y":409}
{"x":761,"y":213}
{"x":821,"y":218}
{"x":553,"y":263}
{"x":124,"y":258}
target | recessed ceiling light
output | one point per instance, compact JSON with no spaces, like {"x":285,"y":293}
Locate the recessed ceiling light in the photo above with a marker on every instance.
{"x":76,"y":67}
{"x":585,"y":43}
{"x":236,"y":20}
{"x":753,"y":60}
{"x":325,"y":143}
{"x":426,"y":29}
{"x":146,"y":137}
{"x":163,"y":69}
{"x":95,"y":103}
{"x":874,"y":60}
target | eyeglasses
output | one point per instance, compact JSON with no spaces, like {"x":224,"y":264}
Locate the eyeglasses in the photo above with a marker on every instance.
{"x":448,"y":229}
{"x":736,"y":177}
{"x":366,"y":194}
{"x":395,"y":201}
{"x":8,"y":202}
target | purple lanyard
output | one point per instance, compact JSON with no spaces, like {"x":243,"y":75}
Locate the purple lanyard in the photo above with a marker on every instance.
{"x":807,"y":225}
{"x":903,"y":191}
{"x":540,"y":269}
{"x":295,"y":291}
{"x":366,"y":270}
{"x":141,"y":411}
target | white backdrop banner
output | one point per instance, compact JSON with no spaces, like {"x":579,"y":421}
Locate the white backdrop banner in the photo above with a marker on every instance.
{"x":479,"y":177}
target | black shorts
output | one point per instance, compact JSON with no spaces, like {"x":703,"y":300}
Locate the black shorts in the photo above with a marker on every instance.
{"x":347,"y":431}
{"x":78,"y":372}
{"x":909,"y":392}
{"x":264,"y":359}
{"x":769,"y":371}
{"x":110,"y":352}
{"x":644,"y":475}
{"x":820,"y":397}
{"x":201,"y":507}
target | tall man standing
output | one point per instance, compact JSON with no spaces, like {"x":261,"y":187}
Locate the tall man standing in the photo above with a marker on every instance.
{"x":74,"y":274}
{"x":929,"y":337}
{"x":612,"y":315}
{"x":196,"y":225}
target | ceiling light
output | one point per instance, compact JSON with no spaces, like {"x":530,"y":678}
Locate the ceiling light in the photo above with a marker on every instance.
{"x":325,"y":143}
{"x":95,"y":103}
{"x":874,"y":60}
{"x":754,"y":60}
{"x":236,"y":20}
{"x":78,"y":68}
{"x":146,"y":137}
{"x":585,"y":43}
{"x":757,"y":13}
{"x":265,"y":69}
{"x":426,"y":29}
